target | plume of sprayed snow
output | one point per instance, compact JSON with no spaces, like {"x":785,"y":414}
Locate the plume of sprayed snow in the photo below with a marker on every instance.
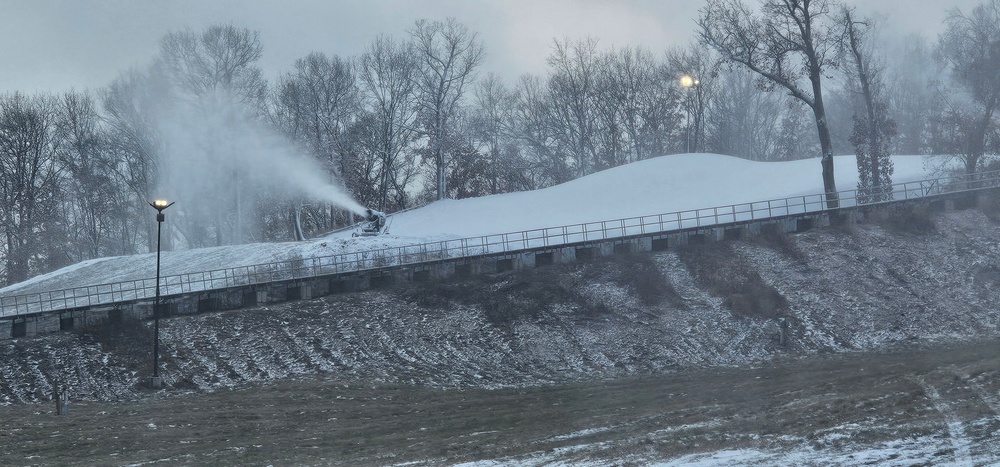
{"x":216,"y":159}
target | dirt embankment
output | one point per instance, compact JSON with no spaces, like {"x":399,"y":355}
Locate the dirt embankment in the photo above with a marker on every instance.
{"x":908,"y":278}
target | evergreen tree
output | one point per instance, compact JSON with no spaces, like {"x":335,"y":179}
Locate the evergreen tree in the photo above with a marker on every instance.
{"x":874,"y":128}
{"x":871,"y":139}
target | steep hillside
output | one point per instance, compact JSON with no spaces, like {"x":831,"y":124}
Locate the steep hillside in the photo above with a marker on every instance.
{"x":907,"y":278}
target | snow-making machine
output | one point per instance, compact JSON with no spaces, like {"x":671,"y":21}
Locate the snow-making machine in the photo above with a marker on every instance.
{"x":373,"y":225}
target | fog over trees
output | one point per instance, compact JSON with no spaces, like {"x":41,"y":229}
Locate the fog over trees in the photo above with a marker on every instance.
{"x":416,"y":118}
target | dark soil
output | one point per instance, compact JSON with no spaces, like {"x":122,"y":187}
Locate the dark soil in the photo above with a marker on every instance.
{"x":320,"y":421}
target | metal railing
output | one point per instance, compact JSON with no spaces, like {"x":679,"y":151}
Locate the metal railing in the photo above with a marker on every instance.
{"x":498,"y":244}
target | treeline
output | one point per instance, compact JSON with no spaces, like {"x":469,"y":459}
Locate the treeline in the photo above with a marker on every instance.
{"x":415,"y":118}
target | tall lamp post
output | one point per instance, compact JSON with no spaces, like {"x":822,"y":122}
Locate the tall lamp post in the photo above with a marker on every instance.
{"x":159,"y":205}
{"x":688,"y":82}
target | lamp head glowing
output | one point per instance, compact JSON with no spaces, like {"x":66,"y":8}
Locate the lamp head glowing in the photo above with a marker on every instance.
{"x":687,"y":81}
{"x":161,"y":204}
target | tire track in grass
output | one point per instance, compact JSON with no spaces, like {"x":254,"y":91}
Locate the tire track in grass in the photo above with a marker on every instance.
{"x":956,"y":431}
{"x":991,"y":401}
{"x":983,"y":431}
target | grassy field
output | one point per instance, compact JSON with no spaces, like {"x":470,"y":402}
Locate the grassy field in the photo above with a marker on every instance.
{"x":830,"y":405}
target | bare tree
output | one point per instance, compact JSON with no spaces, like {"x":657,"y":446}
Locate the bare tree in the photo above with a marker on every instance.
{"x":29,"y":181}
{"x":219,"y":60}
{"x":493,"y":126}
{"x":133,"y":140}
{"x":314,"y":105}
{"x":448,"y":55}
{"x":493,"y":112}
{"x":661,"y":105}
{"x":793,"y":136}
{"x":791,"y":43}
{"x":701,"y":70}
{"x":537,"y":134}
{"x":487,"y":159}
{"x":572,"y":89}
{"x":745,"y":120}
{"x":970,"y":50}
{"x":626,"y":82}
{"x":594,"y":110}
{"x":217,"y":89}
{"x":611,"y":143}
{"x":912,"y":70}
{"x":387,"y":73}
{"x":96,"y":200}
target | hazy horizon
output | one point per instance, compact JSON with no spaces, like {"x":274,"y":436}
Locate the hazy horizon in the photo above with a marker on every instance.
{"x":54,"y":45}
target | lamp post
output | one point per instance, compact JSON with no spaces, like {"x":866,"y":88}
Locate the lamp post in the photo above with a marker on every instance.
{"x":688,"y":82}
{"x":159,"y":205}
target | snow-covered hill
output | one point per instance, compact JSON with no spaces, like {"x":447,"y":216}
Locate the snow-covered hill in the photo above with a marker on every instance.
{"x":660,"y":185}
{"x":654,"y":186}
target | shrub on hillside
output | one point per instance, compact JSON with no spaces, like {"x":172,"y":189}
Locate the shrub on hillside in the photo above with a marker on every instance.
{"x":641,"y":275}
{"x":780,"y":242}
{"x":728,"y":276}
{"x":128,"y":339}
{"x":916,"y":219}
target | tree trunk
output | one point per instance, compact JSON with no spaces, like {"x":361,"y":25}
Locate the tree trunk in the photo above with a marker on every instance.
{"x":826,"y":144}
{"x":296,"y":221}
{"x":442,"y":188}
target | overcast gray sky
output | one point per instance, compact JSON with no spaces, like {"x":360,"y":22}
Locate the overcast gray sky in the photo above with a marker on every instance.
{"x":55,"y":45}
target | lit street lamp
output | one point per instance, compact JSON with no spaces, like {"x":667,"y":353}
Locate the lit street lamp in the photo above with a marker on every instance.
{"x":156,"y":382}
{"x":688,"y":82}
